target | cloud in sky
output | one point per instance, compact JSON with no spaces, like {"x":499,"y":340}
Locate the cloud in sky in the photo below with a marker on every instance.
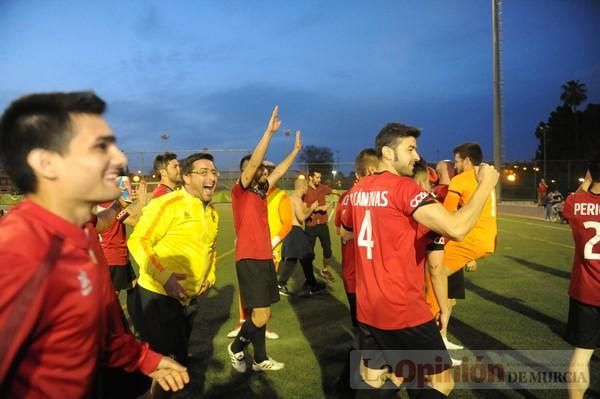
{"x":210,"y":72}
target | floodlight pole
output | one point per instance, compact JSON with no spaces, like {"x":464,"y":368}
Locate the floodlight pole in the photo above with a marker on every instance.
{"x":496,"y":11}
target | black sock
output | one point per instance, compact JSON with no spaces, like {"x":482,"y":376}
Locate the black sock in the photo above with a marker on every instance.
{"x":259,"y":345}
{"x":344,"y":379}
{"x":245,"y":335}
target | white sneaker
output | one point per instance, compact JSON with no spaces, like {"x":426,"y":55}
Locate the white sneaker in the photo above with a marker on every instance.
{"x":237,"y":360}
{"x":451,"y":346}
{"x":267,"y":365}
{"x":456,"y":362}
{"x":234,"y":333}
{"x":270,"y":334}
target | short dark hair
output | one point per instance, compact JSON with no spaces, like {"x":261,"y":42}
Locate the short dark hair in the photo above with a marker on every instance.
{"x":187,"y":165}
{"x":469,"y":150}
{"x":391,"y":134}
{"x":594,"y":168}
{"x":162,"y":161}
{"x":365,"y":159}
{"x":420,"y":166}
{"x":41,"y":120}
{"x":245,"y":158}
{"x":312,"y":171}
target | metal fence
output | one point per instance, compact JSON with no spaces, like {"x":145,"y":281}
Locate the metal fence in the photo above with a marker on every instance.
{"x":518,"y":179}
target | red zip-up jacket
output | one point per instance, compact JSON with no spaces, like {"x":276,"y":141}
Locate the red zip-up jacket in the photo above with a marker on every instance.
{"x":59,"y":317}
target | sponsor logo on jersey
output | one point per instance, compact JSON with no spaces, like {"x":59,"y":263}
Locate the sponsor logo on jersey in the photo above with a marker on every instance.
{"x":86,"y":283}
{"x":417,"y":199}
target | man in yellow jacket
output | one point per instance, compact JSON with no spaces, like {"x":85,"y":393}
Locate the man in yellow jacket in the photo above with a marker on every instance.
{"x":174,"y":244}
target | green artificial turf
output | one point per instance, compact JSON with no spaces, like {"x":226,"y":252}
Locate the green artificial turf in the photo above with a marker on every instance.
{"x":517,"y":300}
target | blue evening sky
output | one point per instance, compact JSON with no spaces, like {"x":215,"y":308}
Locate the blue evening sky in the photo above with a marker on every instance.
{"x":209,"y":72}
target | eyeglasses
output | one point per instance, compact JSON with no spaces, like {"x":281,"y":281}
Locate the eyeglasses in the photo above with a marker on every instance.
{"x":205,"y":171}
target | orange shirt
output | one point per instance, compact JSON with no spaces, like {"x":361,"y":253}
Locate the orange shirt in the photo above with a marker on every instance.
{"x":462,"y":187}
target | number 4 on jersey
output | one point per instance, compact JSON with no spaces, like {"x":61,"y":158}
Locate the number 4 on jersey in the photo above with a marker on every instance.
{"x":365,"y":235}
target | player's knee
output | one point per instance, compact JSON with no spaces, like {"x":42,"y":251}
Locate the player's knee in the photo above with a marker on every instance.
{"x":261,"y":316}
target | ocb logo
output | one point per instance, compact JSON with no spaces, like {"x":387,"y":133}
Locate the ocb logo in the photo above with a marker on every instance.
{"x":418,"y":199}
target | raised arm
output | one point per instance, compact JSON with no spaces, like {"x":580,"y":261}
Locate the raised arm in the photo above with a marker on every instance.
{"x":586,"y":184}
{"x":284,"y":165}
{"x":457,"y":225}
{"x":135,"y":209}
{"x":260,"y":150}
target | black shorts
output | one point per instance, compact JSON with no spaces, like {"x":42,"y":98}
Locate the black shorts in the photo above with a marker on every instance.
{"x":420,"y":346}
{"x":322,"y":232}
{"x":258,"y":282}
{"x":115,"y":383}
{"x":583,"y":327}
{"x":296,"y":245}
{"x":122,"y":276}
{"x":162,"y":321}
{"x":456,"y":285}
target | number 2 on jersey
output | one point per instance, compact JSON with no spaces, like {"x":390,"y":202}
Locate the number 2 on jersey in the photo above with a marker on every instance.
{"x":588,"y":250}
{"x":365,"y":235}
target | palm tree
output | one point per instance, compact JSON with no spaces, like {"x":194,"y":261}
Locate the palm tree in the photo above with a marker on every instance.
{"x":574,"y":93}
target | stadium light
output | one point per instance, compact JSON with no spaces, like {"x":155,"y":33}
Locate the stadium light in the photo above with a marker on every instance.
{"x":581,"y":179}
{"x":334,"y":172}
{"x":511,"y":178}
{"x":136,"y":178}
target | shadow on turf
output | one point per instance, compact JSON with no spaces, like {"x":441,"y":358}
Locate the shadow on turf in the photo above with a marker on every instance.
{"x":540,"y":268}
{"x":478,"y":340}
{"x":558,"y":327}
{"x":325,"y":322}
{"x":213,"y":312}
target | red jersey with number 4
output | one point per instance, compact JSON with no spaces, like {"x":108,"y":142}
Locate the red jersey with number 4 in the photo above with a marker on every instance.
{"x":389,"y":282}
{"x":348,"y":262}
{"x":582,"y":210}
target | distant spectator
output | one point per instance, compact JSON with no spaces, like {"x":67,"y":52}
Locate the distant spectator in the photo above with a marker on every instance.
{"x":166,"y":166}
{"x":542,"y":190}
{"x":553,"y":200}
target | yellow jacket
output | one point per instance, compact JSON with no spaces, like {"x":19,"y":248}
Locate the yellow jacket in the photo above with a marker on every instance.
{"x":176,"y":233}
{"x":279,"y":211}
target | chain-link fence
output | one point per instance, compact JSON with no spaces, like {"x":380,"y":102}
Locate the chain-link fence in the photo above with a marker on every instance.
{"x":519,"y":179}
